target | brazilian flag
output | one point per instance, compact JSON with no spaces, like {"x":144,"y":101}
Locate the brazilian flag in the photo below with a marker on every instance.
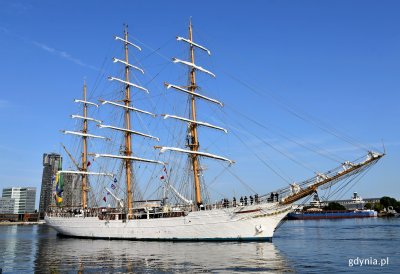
{"x":59,"y":185}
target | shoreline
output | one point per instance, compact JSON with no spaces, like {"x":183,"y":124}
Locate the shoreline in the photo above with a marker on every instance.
{"x":22,"y":223}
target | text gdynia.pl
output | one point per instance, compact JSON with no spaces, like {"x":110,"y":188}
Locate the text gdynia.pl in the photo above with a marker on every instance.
{"x":368,"y":261}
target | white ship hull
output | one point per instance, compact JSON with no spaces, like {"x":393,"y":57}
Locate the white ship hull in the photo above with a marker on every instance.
{"x":256,"y":222}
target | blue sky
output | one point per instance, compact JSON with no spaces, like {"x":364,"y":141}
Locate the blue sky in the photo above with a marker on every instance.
{"x":337,"y":61}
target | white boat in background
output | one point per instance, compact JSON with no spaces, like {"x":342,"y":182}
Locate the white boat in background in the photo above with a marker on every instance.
{"x":253,"y":218}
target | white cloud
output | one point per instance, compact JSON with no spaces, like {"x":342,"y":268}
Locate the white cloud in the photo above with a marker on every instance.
{"x":62,"y":54}
{"x":47,"y":48}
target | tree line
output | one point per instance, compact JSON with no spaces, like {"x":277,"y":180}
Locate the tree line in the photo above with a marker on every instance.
{"x":384,"y":202}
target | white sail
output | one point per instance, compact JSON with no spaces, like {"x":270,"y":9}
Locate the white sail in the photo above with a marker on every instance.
{"x":86,"y":102}
{"x":121,"y":203}
{"x":193,"y":44}
{"x":84,"y":134}
{"x":176,"y":60}
{"x":128,"y":83}
{"x":205,"y":154}
{"x":130,"y":131}
{"x":180,"y":196}
{"x":85,"y":173}
{"x":129,"y":157}
{"x":86,"y":118}
{"x":193,"y":93}
{"x":195,"y":122}
{"x":127,"y":107}
{"x":129,"y":43}
{"x":115,"y":60}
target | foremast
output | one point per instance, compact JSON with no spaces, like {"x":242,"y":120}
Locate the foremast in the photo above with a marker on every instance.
{"x":191,"y":91}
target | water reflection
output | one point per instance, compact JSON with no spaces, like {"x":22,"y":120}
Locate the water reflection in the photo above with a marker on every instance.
{"x":17,"y":244}
{"x":56,"y":254}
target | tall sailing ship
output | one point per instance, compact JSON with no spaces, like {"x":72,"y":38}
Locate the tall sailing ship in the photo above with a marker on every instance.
{"x":189,"y":218}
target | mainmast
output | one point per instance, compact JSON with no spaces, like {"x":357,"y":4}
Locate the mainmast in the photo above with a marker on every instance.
{"x":193,"y":140}
{"x":193,"y":123}
{"x":128,"y":140}
{"x":127,"y":156}
{"x":84,"y":151}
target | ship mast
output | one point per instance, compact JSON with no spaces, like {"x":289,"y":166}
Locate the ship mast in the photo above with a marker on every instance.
{"x":127,"y":156}
{"x":84,"y":150}
{"x":83,"y":171}
{"x":193,"y":123}
{"x":128,"y":140}
{"x":194,"y":142}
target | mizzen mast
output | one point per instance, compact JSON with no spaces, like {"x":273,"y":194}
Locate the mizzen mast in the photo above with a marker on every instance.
{"x":83,"y":170}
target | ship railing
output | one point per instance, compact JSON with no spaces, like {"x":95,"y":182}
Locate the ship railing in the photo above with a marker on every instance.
{"x":79,"y":212}
{"x":150,"y":211}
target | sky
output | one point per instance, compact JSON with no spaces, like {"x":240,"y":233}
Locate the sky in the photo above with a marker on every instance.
{"x":336,"y":62}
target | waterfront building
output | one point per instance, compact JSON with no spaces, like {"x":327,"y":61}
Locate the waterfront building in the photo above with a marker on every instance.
{"x":7,"y":205}
{"x":72,"y":195}
{"x":23,"y":199}
{"x":52,"y":162}
{"x":356,"y":202}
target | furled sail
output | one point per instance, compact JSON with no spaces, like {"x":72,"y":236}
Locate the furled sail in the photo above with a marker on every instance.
{"x":126,"y":41}
{"x":115,"y":60}
{"x":127,"y":107}
{"x":84,"y":134}
{"x":86,"y":118}
{"x":195,"y":122}
{"x":205,"y":154}
{"x":131,"y":131}
{"x":86,"y":102}
{"x":193,"y":93}
{"x":128,"y":83}
{"x":176,"y":60}
{"x":193,"y":44}
{"x":85,"y":173}
{"x":129,"y":158}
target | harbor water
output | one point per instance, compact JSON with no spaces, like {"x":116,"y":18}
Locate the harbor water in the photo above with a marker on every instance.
{"x":369,"y":245}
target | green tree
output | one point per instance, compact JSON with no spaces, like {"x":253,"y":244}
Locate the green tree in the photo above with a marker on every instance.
{"x":334,"y":206}
{"x":378,"y":207}
{"x":368,"y":206}
{"x":388,"y":201}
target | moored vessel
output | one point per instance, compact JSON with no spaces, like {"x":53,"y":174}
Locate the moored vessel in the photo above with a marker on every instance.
{"x":188,"y":218}
{"x":331,"y":214}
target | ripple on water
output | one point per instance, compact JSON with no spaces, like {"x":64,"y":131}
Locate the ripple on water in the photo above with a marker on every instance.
{"x":323,"y":246}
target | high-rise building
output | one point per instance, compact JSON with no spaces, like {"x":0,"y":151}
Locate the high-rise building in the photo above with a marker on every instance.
{"x":24,"y":198}
{"x":52,"y":162}
{"x":72,"y":195}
